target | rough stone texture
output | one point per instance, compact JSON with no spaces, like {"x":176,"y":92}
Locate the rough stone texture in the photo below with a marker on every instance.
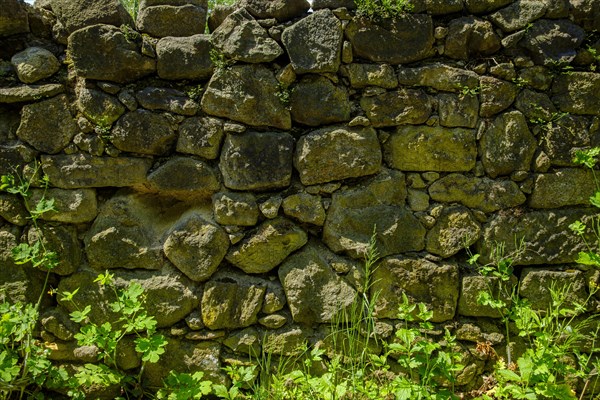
{"x":61,"y":239}
{"x":518,"y":14}
{"x":282,"y":10}
{"x":34,"y":64}
{"x":355,"y":213}
{"x":24,"y":93}
{"x":103,"y":52}
{"x":458,"y":111}
{"x":268,"y":246}
{"x":470,"y":37}
{"x":566,"y":187}
{"x":438,"y":76}
{"x":552,"y":42}
{"x":535,"y":106}
{"x":305,"y":208}
{"x":185,"y":179}
{"x":168,"y":20}
{"x":72,"y":206}
{"x":536,"y":285}
{"x":473,"y":285}
{"x":485,"y":6}
{"x":357,"y":154}
{"x":77,"y":14}
{"x":507,"y":145}
{"x":240,"y":37}
{"x":257,"y":160}
{"x":455,"y":229}
{"x":495,"y":95}
{"x":287,"y":341}
{"x":314,"y":43}
{"x":184,"y":57}
{"x":424,"y":148}
{"x":53,"y":115}
{"x":315,"y":293}
{"x":585,"y":13}
{"x":403,"y":106}
{"x":196,"y":247}
{"x":172,"y":100}
{"x":233,"y":208}
{"x":246,"y":341}
{"x":100,"y":108}
{"x":237,"y":92}
{"x":577,"y":92}
{"x":14,"y":18}
{"x":232,"y":301}
{"x":144,"y":132}
{"x":316,"y":101}
{"x":14,"y":156}
{"x":546,"y":235}
{"x":481,"y":193}
{"x":406,"y":39}
{"x":201,"y":136}
{"x":363,"y":75}
{"x":421,"y":280}
{"x":564,"y":137}
{"x":13,"y":210}
{"x":333,"y":4}
{"x":83,"y":170}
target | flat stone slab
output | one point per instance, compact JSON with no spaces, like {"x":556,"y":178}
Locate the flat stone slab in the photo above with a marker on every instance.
{"x":25,"y":93}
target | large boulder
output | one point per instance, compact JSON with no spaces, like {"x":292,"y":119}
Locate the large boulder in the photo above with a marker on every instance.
{"x":399,"y":107}
{"x":519,"y":14}
{"x":77,"y":14}
{"x":184,"y":57}
{"x":552,"y":42}
{"x":103,"y":52}
{"x":14,"y":18}
{"x":577,"y":92}
{"x":471,"y":37}
{"x":315,"y":101}
{"x":34,"y":64}
{"x":144,"y":132}
{"x":171,"y":20}
{"x":282,"y":10}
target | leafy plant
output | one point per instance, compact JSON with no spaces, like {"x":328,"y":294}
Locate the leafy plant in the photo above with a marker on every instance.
{"x":382,"y":9}
{"x":184,"y":386}
{"x":132,"y":7}
{"x":219,"y":60}
{"x":195,"y":92}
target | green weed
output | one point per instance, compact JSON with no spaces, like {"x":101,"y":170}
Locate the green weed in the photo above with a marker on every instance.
{"x":382,"y":9}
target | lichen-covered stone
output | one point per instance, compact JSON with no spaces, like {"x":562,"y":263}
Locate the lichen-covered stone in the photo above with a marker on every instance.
{"x":169,"y":20}
{"x":38,"y":119}
{"x":62,"y":240}
{"x":314,"y":43}
{"x":438,"y":76}
{"x":287,"y":341}
{"x":240,"y":37}
{"x":564,"y":137}
{"x":458,"y":111}
{"x":485,"y":194}
{"x":473,"y":285}
{"x":551,"y":42}
{"x":234,"y":208}
{"x":565,"y":187}
{"x":77,"y":14}
{"x":185,"y":179}
{"x":34,"y":64}
{"x":275,"y":298}
{"x":585,"y":13}
{"x":72,"y":206}
{"x":495,"y":95}
{"x":535,"y":106}
{"x":316,"y":101}
{"x":84,"y":171}
{"x":518,"y":14}
{"x":425,"y":148}
{"x":403,"y":106}
{"x":422,"y":281}
{"x":405,"y":39}
{"x":305,"y":208}
{"x":246,"y":341}
{"x":363,"y":75}
{"x":201,"y":136}
{"x":14,"y":18}
{"x":315,"y":293}
{"x":268,"y":246}
{"x":471,"y":37}
{"x":184,"y":57}
{"x":357,"y":151}
{"x":24,"y":93}
{"x":577,"y":92}
{"x":536,"y":285}
{"x":237,"y":92}
{"x":103,"y":52}
{"x":144,"y":132}
{"x":282,"y":10}
{"x":13,"y":210}
{"x":454,"y":229}
{"x":507,"y":145}
{"x":172,"y":100}
{"x":196,"y":247}
{"x":100,"y":108}
{"x":257,"y":160}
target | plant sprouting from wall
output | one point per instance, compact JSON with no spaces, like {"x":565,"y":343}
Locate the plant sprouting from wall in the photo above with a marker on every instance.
{"x":132,"y":7}
{"x":382,"y":9}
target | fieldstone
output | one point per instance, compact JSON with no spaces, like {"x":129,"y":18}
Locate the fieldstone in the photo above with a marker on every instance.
{"x":71,"y":351}
{"x":422,"y":281}
{"x":519,"y":14}
{"x":51,"y":115}
{"x":538,"y":77}
{"x":405,"y":39}
{"x":240,"y":37}
{"x":357,"y":151}
{"x":314,"y":43}
{"x":77,"y":14}
{"x":458,"y":111}
{"x":470,"y":37}
{"x":184,"y":179}
{"x":14,"y":18}
{"x":246,"y":341}
{"x":257,"y":160}
{"x":144,"y":132}
{"x":535,"y":106}
{"x":585,"y":13}
{"x":83,"y":171}
{"x":364,"y":75}
{"x":442,"y":7}
{"x":316,"y":101}
{"x":100,"y":108}
{"x":184,"y":57}
{"x":273,"y":321}
{"x":232,"y":301}
{"x":270,"y":207}
{"x":62,"y":240}
{"x":374,"y":208}
{"x":58,"y":324}
{"x":536,"y":286}
{"x":563,"y":137}
{"x":267,"y":246}
{"x":485,"y":194}
{"x":417,"y":200}
{"x":485,"y":6}
{"x":305,"y":208}
{"x":13,"y":210}
{"x":14,"y":156}
{"x":455,"y":229}
{"x":505,"y":70}
{"x":34,"y":63}
{"x":403,"y":106}
{"x":196,"y":247}
{"x":552,"y":42}
{"x":172,"y":100}
{"x":507,"y":145}
{"x":72,"y":206}
{"x":169,"y":296}
{"x":234,"y":208}
{"x":217,"y":15}
{"x":438,"y":76}
{"x":577,"y":92}
{"x":545,"y":234}
{"x":565,"y":187}
{"x":169,"y":20}
{"x":333,"y":4}
{"x":201,"y":136}
{"x":26,"y":93}
{"x":473,"y":285}
{"x":287,"y":341}
{"x":431,"y":148}
{"x":237,"y":92}
{"x":495,"y":95}
{"x":102,"y":52}
{"x":315,"y":293}
{"x":282,"y":10}
{"x":275,"y":298}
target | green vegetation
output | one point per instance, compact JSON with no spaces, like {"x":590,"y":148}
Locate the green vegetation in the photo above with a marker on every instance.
{"x":382,"y":9}
{"x":132,"y":7}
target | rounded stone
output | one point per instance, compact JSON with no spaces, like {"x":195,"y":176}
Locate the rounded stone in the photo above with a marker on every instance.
{"x":34,"y":64}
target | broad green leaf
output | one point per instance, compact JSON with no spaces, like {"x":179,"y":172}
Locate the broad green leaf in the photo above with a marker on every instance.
{"x":508,"y":375}
{"x":588,"y":258}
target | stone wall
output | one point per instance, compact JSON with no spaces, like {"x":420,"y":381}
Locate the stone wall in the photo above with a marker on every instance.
{"x":239,"y":175}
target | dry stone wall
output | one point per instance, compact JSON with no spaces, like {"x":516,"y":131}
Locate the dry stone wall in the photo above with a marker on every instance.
{"x":239,"y":175}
